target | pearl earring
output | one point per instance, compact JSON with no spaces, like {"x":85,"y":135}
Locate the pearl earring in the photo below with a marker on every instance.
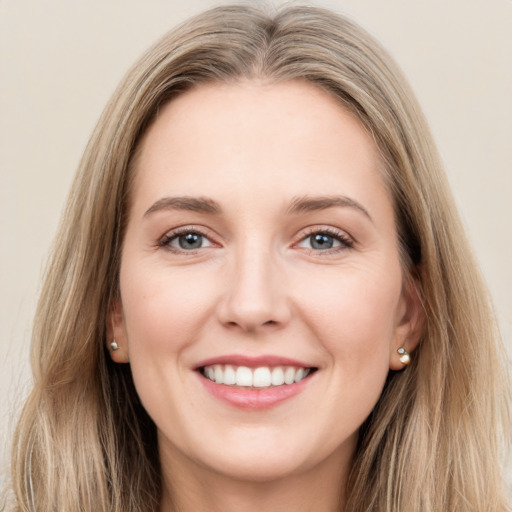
{"x":114,"y":346}
{"x":405,"y":357}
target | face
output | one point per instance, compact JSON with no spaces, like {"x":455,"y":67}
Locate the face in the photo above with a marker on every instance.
{"x":262,"y":299}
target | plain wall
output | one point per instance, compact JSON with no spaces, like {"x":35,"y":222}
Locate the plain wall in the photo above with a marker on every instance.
{"x":61,"y":60}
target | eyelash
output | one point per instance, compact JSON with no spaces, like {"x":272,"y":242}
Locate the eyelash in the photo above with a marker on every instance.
{"x":165,"y":241}
{"x":339,"y":236}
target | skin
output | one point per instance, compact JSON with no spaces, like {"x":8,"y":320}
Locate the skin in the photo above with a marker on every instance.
{"x":259,"y":286}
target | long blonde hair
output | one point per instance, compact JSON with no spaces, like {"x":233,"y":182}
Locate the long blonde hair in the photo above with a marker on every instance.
{"x":85,"y":443}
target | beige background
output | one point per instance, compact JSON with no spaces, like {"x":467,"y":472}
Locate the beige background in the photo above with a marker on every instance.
{"x":61,"y":59}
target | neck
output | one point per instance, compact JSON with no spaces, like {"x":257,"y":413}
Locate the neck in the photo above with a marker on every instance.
{"x":196,"y":489}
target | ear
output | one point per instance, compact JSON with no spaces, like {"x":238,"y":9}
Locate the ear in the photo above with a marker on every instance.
{"x":116,"y":330}
{"x":409,"y":321}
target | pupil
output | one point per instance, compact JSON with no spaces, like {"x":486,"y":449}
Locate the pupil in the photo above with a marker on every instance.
{"x":190,"y":241}
{"x":321,"y":241}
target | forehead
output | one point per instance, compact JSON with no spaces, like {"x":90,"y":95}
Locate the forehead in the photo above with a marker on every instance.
{"x":224,"y":137}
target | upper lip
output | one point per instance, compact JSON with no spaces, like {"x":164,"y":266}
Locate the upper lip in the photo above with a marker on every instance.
{"x":253,"y":361}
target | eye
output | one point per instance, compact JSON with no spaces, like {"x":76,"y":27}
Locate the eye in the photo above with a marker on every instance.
{"x":325,"y":240}
{"x":185,"y":241}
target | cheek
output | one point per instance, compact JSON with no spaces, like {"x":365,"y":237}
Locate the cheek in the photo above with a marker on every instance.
{"x":354,"y":316}
{"x":351,"y":314}
{"x":164,"y":309}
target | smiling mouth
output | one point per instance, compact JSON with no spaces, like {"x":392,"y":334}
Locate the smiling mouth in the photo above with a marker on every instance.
{"x":255,"y":378}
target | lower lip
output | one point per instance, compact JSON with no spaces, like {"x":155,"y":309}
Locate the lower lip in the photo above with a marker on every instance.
{"x":253,"y":398}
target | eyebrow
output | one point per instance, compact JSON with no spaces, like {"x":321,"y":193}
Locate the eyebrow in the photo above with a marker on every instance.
{"x":307,"y":204}
{"x":194,"y":204}
{"x":301,"y":204}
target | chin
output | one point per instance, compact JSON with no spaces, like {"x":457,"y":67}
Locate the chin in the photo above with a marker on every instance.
{"x":260,"y":468}
{"x":264,"y":457}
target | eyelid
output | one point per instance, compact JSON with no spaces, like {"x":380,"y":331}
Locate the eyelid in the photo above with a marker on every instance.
{"x":346,"y":241}
{"x":164,"y":241}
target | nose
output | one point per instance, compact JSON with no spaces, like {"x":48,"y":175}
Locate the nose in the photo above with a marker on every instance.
{"x":255,"y":295}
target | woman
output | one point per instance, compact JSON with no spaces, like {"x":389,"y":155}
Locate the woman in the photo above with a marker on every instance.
{"x":261,"y":228}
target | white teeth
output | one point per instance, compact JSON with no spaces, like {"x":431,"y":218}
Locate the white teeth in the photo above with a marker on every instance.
{"x":261,"y":377}
{"x":218,"y":374}
{"x":277,"y":376}
{"x":299,"y":374}
{"x":229,"y":375}
{"x":243,"y":376}
{"x":289,"y":375}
